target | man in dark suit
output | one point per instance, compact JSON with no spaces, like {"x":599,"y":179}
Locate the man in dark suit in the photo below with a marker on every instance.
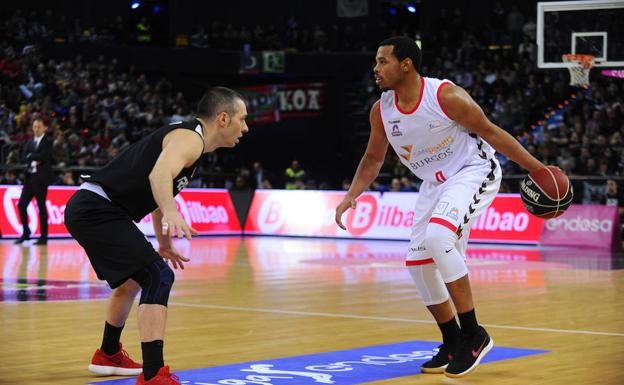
{"x":39,"y":175}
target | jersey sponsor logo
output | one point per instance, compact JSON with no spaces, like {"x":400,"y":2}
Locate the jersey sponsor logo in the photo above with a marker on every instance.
{"x":407,"y":156}
{"x":431,"y":159}
{"x":446,"y":142}
{"x":396,"y":131}
{"x":434,"y":125}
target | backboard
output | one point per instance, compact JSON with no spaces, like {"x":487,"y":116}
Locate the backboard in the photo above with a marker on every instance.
{"x":593,"y":27}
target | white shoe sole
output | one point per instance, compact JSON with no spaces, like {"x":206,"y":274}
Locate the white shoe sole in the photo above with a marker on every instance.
{"x":113,"y":371}
{"x":439,"y":370}
{"x":485,"y":351}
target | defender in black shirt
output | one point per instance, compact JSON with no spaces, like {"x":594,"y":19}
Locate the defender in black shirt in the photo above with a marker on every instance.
{"x":124,"y":178}
{"x":144,"y":179}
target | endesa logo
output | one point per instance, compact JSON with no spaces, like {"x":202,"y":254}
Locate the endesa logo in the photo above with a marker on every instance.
{"x":580,"y":224}
{"x":584,"y":226}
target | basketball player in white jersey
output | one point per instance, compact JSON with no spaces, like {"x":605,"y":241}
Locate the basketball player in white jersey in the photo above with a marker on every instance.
{"x":446,"y":140}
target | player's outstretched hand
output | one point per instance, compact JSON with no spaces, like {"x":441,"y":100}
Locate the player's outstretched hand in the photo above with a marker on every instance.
{"x":342,"y":207}
{"x":172,"y":254}
{"x":173,"y":225}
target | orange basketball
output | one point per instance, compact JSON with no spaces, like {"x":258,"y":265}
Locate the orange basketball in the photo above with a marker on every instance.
{"x":546,"y":192}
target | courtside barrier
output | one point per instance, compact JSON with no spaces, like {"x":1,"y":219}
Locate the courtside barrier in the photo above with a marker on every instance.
{"x":209,"y":211}
{"x":595,"y":226}
{"x":378,"y":216}
{"x":311,"y":214}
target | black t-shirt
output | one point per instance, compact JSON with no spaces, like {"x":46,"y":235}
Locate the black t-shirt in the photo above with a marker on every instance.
{"x":616,"y":199}
{"x":125,"y":179}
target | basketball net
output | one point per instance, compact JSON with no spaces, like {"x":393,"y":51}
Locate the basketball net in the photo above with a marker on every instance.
{"x":579,"y":66}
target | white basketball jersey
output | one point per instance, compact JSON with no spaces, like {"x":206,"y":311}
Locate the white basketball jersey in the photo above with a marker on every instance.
{"x":429,"y":143}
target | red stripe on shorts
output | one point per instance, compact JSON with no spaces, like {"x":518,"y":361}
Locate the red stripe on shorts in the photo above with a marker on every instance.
{"x":444,"y":223}
{"x":419,"y":262}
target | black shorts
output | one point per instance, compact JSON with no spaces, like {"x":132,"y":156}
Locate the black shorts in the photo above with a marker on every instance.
{"x":116,"y":247}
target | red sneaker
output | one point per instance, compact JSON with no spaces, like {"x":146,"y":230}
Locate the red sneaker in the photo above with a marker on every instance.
{"x":164,"y":377}
{"x":119,"y":364}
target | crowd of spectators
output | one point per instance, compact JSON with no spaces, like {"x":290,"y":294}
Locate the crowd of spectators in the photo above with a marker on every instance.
{"x":28,"y":27}
{"x":290,"y":34}
{"x":93,"y":109}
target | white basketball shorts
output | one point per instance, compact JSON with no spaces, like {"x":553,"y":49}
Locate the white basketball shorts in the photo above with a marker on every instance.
{"x":454,"y":204}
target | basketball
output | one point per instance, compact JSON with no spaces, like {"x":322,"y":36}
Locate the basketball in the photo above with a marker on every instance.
{"x":546,"y":192}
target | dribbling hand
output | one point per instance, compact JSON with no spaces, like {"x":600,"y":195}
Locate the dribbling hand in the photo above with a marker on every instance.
{"x":342,"y":207}
{"x":173,"y":225}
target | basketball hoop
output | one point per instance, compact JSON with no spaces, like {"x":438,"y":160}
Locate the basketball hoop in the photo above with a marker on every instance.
{"x":579,"y":66}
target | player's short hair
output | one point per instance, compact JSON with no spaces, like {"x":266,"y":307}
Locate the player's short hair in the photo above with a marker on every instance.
{"x":404,"y":47}
{"x":216,"y":100}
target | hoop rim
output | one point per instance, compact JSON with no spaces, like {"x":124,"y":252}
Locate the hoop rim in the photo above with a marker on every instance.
{"x":584,"y":60}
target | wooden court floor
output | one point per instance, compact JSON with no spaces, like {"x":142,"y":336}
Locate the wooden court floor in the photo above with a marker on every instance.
{"x":259,"y":298}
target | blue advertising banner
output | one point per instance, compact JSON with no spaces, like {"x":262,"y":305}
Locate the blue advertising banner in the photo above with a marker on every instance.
{"x":344,"y":367}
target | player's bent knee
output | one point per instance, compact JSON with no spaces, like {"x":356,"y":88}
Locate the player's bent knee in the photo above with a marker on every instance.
{"x":429,"y":284}
{"x":440,"y":244}
{"x":438,"y":239}
{"x":128,"y":288}
{"x":156,"y":281}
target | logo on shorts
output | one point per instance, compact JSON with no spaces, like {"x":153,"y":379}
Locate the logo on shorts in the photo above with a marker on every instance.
{"x":453,"y":213}
{"x":441,"y":207}
{"x":420,"y":247}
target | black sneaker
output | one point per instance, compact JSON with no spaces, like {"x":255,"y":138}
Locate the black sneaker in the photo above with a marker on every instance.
{"x":21,"y":239}
{"x":469,"y":353}
{"x":438,"y":363}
